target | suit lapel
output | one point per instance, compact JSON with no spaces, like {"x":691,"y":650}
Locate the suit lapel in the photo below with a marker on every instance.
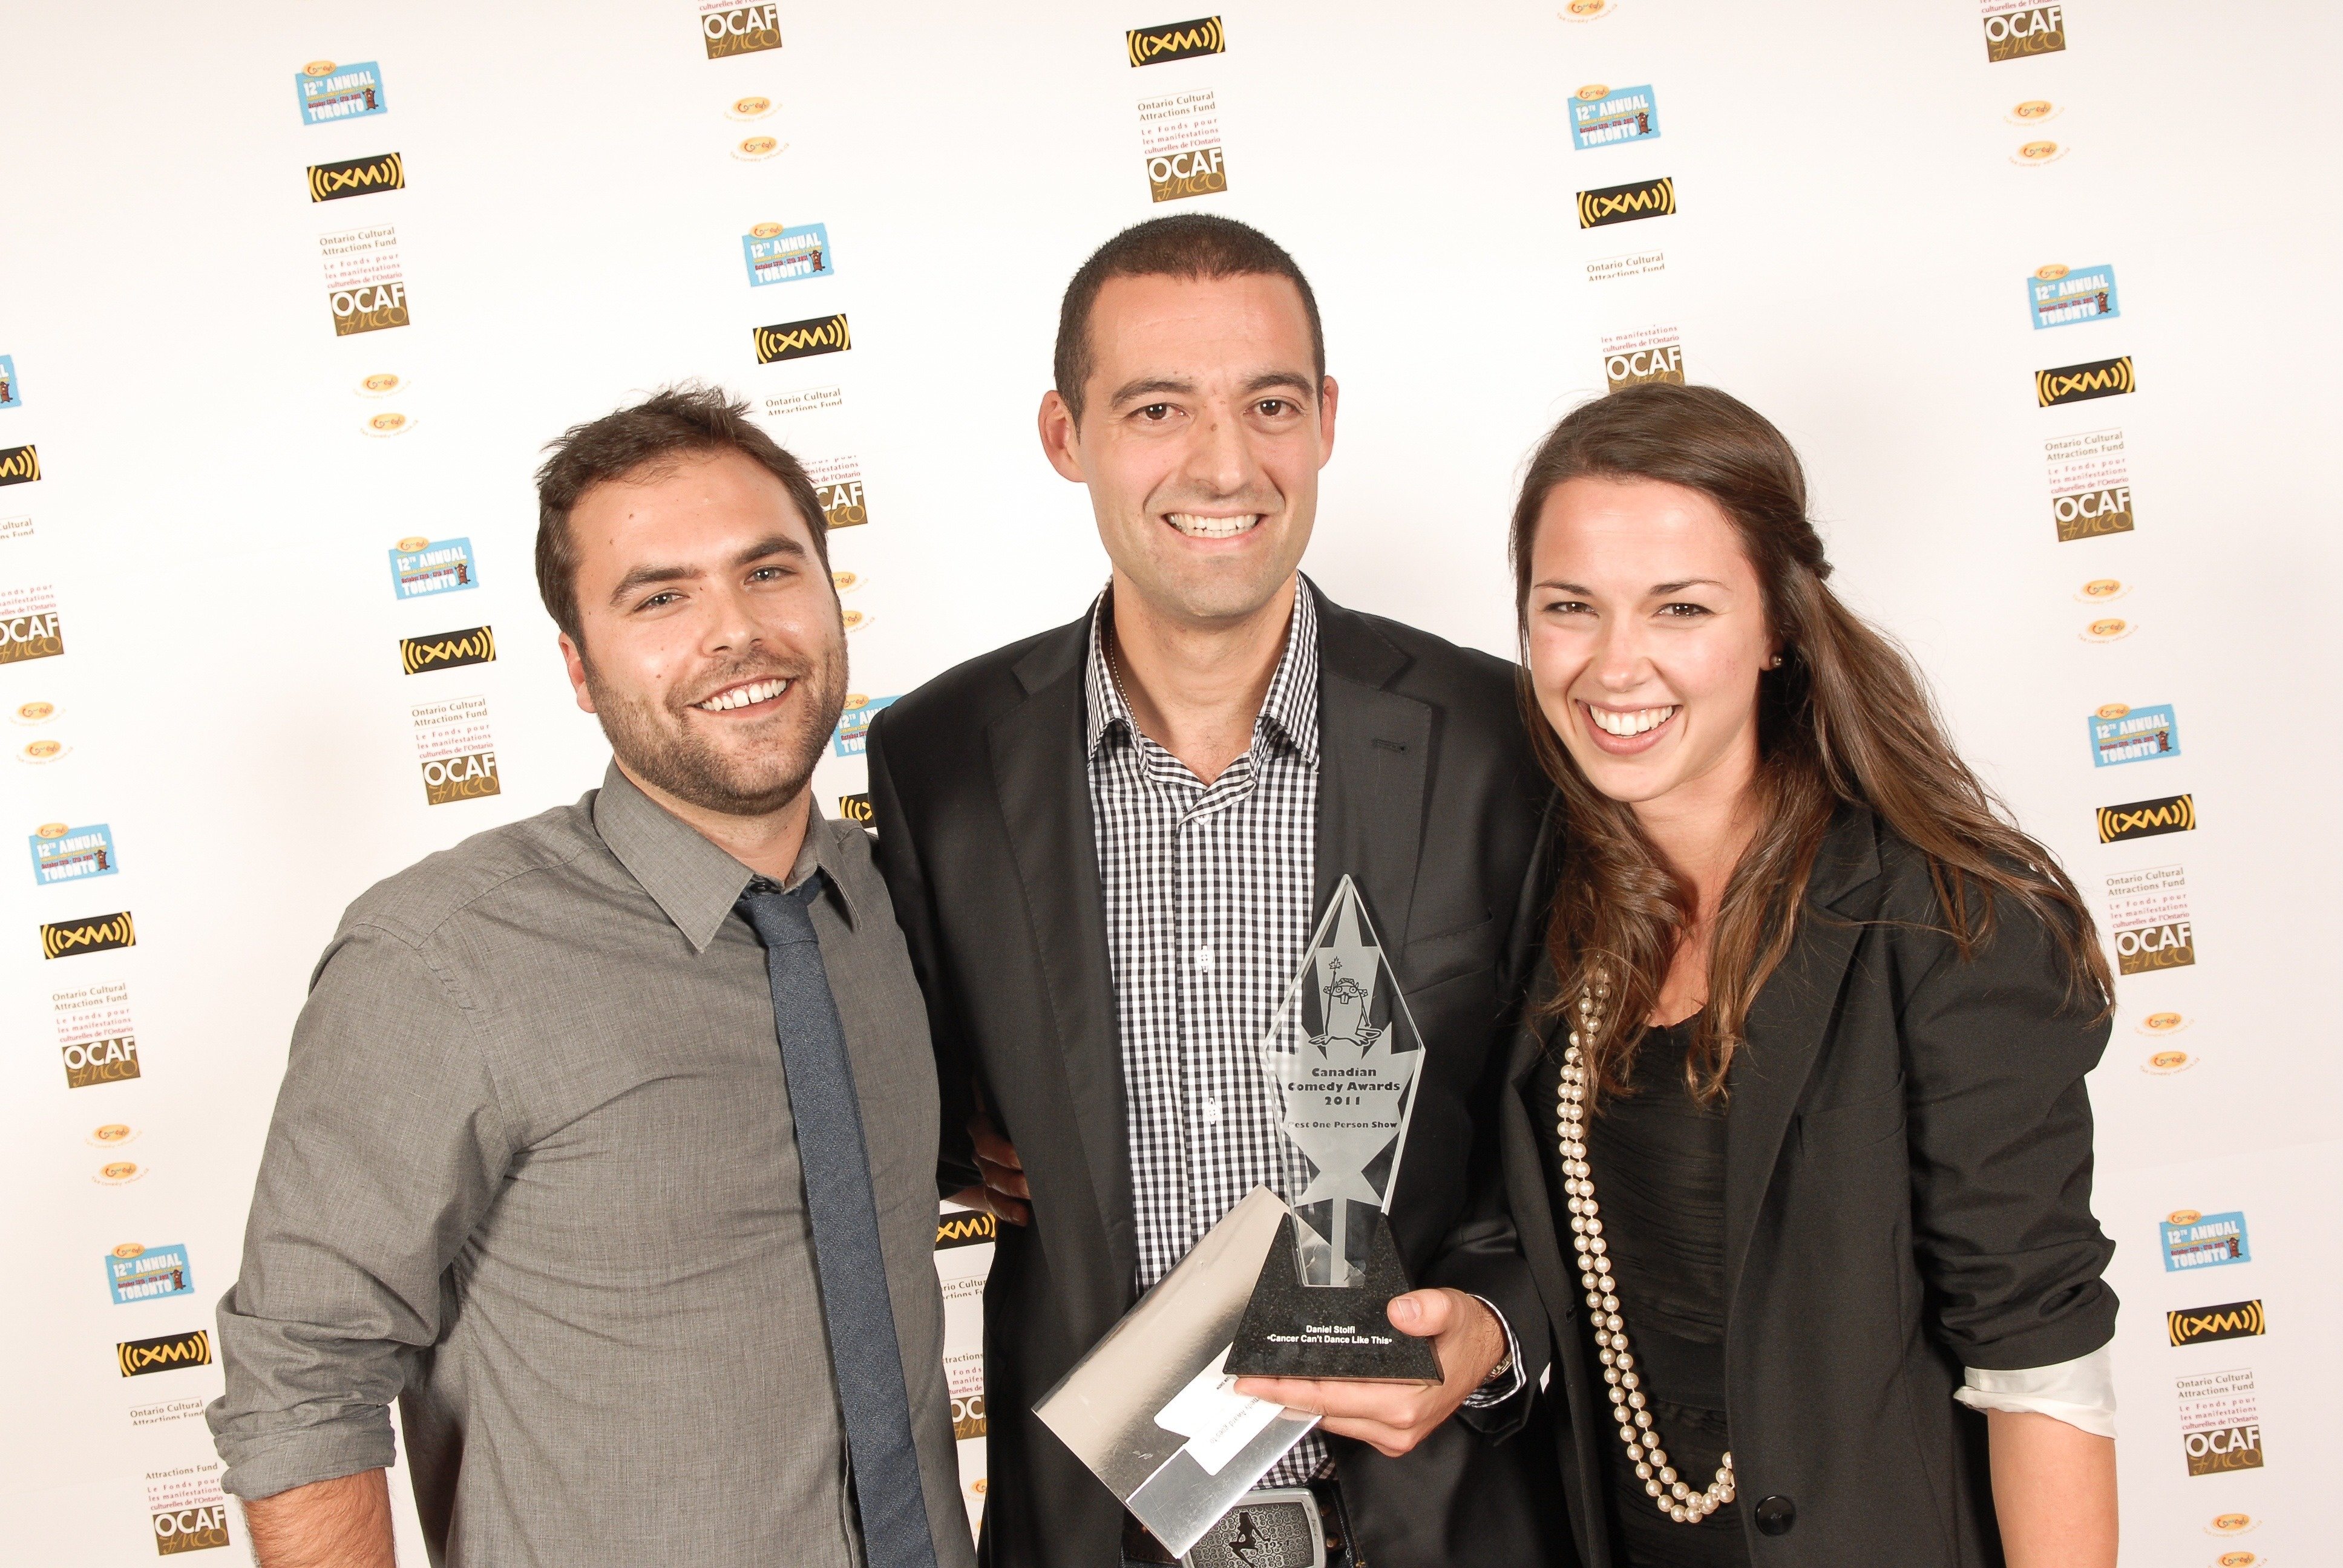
{"x":1785,"y":1029}
{"x":1040,"y":771}
{"x":1374,"y":753}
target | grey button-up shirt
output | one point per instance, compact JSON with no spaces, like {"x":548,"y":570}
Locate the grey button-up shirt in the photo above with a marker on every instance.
{"x":532,"y":1174}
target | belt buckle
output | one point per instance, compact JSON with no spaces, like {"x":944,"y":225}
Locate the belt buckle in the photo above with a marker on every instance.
{"x":1274,"y":1527}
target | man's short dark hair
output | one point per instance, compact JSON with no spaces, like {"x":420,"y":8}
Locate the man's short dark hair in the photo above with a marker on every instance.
{"x":1190,"y":246}
{"x":671,"y":424}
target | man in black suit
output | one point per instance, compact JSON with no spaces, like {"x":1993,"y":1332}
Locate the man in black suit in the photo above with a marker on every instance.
{"x":1107,"y":845}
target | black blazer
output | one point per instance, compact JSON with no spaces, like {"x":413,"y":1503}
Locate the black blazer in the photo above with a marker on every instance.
{"x":1907,"y":1192}
{"x":1428,"y":796}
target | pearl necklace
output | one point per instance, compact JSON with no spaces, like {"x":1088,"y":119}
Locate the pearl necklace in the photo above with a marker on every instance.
{"x":1673,"y":1497}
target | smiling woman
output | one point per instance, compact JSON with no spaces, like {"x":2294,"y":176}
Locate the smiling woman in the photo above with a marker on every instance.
{"x":1813,"y":1017}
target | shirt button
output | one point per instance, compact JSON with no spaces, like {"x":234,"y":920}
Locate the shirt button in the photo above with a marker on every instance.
{"x":1204,"y":959}
{"x":1211,"y":1113}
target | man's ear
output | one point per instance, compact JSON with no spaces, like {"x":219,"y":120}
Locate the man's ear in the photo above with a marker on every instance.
{"x":573,"y":658}
{"x":1329,"y":395}
{"x":1061,"y":436}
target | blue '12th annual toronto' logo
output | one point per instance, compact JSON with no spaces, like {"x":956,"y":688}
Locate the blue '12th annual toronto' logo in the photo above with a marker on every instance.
{"x":777,"y":255}
{"x":2063,"y":296}
{"x":854,"y":725}
{"x":328,"y":92}
{"x":2194,"y":1240}
{"x":12,"y":391}
{"x":136,"y":1274}
{"x":1600,"y":117}
{"x":420,"y":569}
{"x":2120,"y":734}
{"x":62,"y":854}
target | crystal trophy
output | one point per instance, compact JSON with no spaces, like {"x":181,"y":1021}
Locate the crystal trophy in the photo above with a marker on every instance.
{"x":1343,"y":1059}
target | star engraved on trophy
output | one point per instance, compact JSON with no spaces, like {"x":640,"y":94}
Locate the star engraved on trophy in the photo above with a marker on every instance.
{"x":1343,"y":1059}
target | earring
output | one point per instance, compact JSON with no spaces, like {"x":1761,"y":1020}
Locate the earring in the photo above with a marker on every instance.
{"x":1774,"y":662}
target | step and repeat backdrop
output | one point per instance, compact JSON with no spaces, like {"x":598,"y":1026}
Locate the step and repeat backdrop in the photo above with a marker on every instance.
{"x":293,"y":294}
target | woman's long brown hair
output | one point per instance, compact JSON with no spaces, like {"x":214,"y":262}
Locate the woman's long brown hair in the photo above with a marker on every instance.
{"x":1846,"y":720}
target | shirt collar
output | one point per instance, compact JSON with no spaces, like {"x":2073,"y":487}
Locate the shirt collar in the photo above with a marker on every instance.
{"x":691,"y":880}
{"x":1288,"y":709}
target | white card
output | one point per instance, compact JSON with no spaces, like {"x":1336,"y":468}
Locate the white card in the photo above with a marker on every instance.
{"x":1216,"y":1420}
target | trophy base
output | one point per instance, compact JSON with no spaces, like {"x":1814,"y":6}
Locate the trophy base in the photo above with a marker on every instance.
{"x":1293,"y":1330}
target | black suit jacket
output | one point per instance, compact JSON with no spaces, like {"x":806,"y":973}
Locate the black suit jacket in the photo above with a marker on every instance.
{"x":1427,"y":796}
{"x":1907,"y":1192}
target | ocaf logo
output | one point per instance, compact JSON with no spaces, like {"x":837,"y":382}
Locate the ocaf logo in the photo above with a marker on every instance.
{"x":740,"y":29}
{"x":93,"y":934}
{"x":1626,"y":204}
{"x":19,"y":464}
{"x":356,"y":177}
{"x":842,"y":504}
{"x":1171,"y":41}
{"x":2014,"y":32}
{"x":2230,"y":1321}
{"x":169,"y":1354}
{"x":447,"y":650}
{"x":198,"y":1529}
{"x":2212,"y":1450}
{"x":2081,"y":383}
{"x":2088,"y":514}
{"x":800,"y":339}
{"x":1199,"y":171}
{"x":2146,"y":819}
{"x":92,"y":1062}
{"x":368,"y":308}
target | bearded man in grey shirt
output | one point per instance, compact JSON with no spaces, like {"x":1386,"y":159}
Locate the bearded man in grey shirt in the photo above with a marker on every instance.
{"x":607,"y":1141}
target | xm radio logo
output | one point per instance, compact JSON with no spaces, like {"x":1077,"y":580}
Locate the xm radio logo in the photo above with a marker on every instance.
{"x":2081,"y":383}
{"x":2230,"y":1321}
{"x":1176,"y":41}
{"x":799,"y":339}
{"x":2014,"y":29}
{"x":740,"y":29}
{"x":92,"y":934}
{"x":447,"y":650}
{"x":356,"y":177}
{"x":2146,"y":819}
{"x":19,"y":464}
{"x":1626,"y":204}
{"x":178,"y":1529}
{"x":967,"y":1229}
{"x":169,"y":1354}
{"x":857,"y":809}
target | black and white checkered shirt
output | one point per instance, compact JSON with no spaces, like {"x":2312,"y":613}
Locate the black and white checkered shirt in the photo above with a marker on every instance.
{"x":1208,"y":892}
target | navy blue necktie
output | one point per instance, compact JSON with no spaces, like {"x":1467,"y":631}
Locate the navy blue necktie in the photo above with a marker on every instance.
{"x":865,"y":1357}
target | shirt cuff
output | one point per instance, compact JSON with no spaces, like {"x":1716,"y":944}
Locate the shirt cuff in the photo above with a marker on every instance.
{"x":2081,"y":1392}
{"x":1506,"y":1384}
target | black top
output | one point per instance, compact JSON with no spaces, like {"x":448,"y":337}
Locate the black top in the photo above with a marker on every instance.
{"x":1907,"y":1191}
{"x":1657,"y":1155}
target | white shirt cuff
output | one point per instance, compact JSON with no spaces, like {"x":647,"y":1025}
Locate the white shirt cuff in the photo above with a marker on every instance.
{"x":1500,"y":1389}
{"x":2081,"y":1392}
